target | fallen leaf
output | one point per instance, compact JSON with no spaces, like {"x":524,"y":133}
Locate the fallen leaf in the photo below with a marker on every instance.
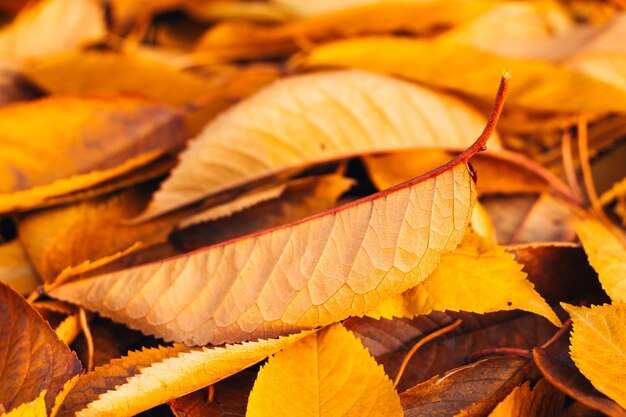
{"x":309,"y":119}
{"x":473,"y":389}
{"x":550,"y":219}
{"x":508,"y":213}
{"x":240,"y":40}
{"x":147,"y":378}
{"x":607,"y":255}
{"x":52,"y":130}
{"x":598,"y":347}
{"x":51,"y":26}
{"x":542,"y":401}
{"x":539,"y":85}
{"x":32,"y":358}
{"x":478,"y":276}
{"x":16,"y":269}
{"x":327,"y":373}
{"x":569,"y":380}
{"x":35,"y":408}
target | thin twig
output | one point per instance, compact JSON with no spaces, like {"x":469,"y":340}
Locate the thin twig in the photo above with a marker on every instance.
{"x":499,"y":351}
{"x":82,"y":317}
{"x":568,"y":165}
{"x":564,"y":328}
{"x":421,"y":343}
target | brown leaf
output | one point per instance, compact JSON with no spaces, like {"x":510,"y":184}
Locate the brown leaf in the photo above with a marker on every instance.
{"x":550,"y":219}
{"x":32,"y":358}
{"x":16,"y":270}
{"x":124,"y":133}
{"x":569,"y":380}
{"x":473,"y":389}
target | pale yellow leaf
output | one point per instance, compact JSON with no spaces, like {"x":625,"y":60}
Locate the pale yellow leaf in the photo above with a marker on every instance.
{"x":542,"y":401}
{"x":309,"y":119}
{"x":146,"y":379}
{"x":35,"y":408}
{"x":16,"y":269}
{"x":607,"y":255}
{"x":539,"y":85}
{"x":349,"y":259}
{"x":598,"y":346}
{"x":46,"y":150}
{"x":51,"y":26}
{"x":482,"y":224}
{"x":328,"y":373}
{"x":478,"y":276}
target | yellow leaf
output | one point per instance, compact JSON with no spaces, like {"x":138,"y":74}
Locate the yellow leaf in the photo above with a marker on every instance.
{"x":68,"y":329}
{"x":598,"y":347}
{"x":51,"y":26}
{"x":328,"y":373}
{"x":35,"y":408}
{"x":479,"y":276}
{"x":542,"y":401}
{"x":539,"y":85}
{"x":46,"y":150}
{"x":240,"y":40}
{"x":16,"y":269}
{"x":309,"y":119}
{"x":607,"y":255}
{"x":145,"y":379}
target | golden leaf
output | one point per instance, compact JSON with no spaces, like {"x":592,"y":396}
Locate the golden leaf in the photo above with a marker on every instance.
{"x":145,"y":379}
{"x":539,"y":85}
{"x":308,"y":119}
{"x":251,"y":287}
{"x":328,"y":373}
{"x":16,"y":269}
{"x":598,"y":347}
{"x":32,"y":358}
{"x":478,"y":276}
{"x":35,"y":408}
{"x":607,"y":255}
{"x":51,"y":26}
{"x":48,"y":152}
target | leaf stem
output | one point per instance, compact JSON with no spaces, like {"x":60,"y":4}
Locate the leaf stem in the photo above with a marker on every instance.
{"x":568,"y":165}
{"x":421,"y":343}
{"x":82,"y":317}
{"x":499,"y":351}
{"x":558,"y":334}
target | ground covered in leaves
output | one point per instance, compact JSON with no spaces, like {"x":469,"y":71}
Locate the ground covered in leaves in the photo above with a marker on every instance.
{"x":312,"y":208}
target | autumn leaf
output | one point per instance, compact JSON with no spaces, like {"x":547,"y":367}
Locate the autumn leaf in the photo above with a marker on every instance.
{"x":147,"y":378}
{"x":539,"y":85}
{"x":35,"y":408}
{"x":478,"y":276}
{"x":330,"y":374}
{"x":607,"y":255}
{"x":598,"y":347}
{"x":51,"y":129}
{"x":473,"y":389}
{"x":310,"y":119}
{"x":16,"y":269}
{"x":32,"y":358}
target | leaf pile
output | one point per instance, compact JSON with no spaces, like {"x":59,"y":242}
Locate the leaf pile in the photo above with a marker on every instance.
{"x":277,"y":207}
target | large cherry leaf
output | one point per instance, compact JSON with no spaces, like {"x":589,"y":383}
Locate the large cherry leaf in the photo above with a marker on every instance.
{"x":313,"y":118}
{"x":47,"y":151}
{"x":348,"y":260}
{"x":32,"y":358}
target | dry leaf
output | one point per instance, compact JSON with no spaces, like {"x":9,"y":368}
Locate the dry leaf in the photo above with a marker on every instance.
{"x":310,"y":119}
{"x":598,"y":347}
{"x":550,"y":219}
{"x":471,"y":390}
{"x":35,"y":408}
{"x":328,"y":373}
{"x":539,"y":85}
{"x":32,"y":358}
{"x":542,"y":401}
{"x":48,"y":152}
{"x":51,"y":26}
{"x":607,"y":255}
{"x":569,"y":380}
{"x":16,"y":269}
{"x":145,"y":379}
{"x":240,"y":40}
{"x":478,"y":276}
